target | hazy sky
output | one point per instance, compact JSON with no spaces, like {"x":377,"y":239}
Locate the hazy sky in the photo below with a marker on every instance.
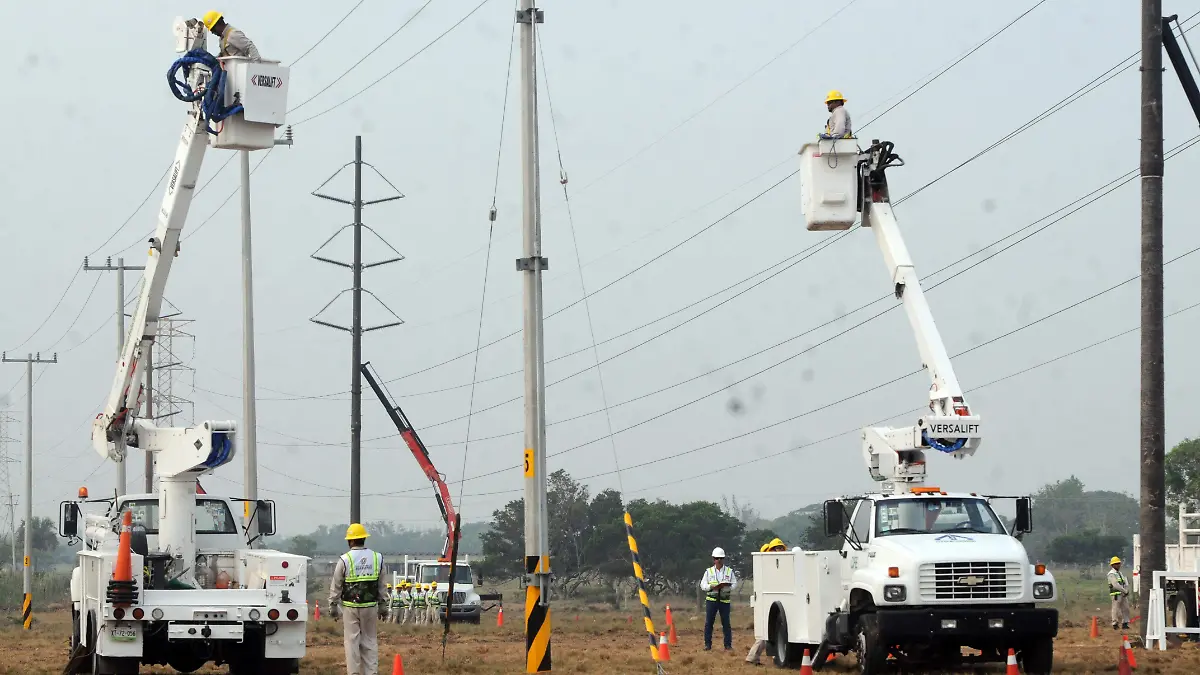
{"x":90,"y":126}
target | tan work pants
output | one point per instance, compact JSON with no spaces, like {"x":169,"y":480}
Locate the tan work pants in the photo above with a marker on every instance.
{"x":756,"y":651}
{"x":360,"y":637}
{"x":1120,"y":609}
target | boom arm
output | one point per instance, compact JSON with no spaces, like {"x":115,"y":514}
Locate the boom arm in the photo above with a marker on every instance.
{"x":441,"y":492}
{"x":897,"y":455}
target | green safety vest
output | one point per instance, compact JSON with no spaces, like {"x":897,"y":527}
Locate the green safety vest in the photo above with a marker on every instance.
{"x":713,"y":575}
{"x":435,"y":599}
{"x":361,"y":586}
{"x":1113,"y":590}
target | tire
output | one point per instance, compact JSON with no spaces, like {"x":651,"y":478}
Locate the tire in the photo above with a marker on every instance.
{"x":869,"y":646}
{"x":783,"y":655}
{"x":1037,"y":658}
{"x":1183,"y":615}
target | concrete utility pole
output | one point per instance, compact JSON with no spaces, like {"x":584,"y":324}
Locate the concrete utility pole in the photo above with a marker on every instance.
{"x":119,"y":268}
{"x":249,"y":413}
{"x":356,"y":329}
{"x":1153,"y":424}
{"x":8,"y":514}
{"x":29,"y":360}
{"x":531,"y":266}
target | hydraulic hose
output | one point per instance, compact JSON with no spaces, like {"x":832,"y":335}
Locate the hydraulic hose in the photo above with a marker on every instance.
{"x":212,"y":97}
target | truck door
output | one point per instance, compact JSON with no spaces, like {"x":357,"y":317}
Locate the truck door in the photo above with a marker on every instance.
{"x":857,"y":545}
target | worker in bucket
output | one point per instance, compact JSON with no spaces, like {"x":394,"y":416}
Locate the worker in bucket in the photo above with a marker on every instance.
{"x":776,"y":545}
{"x":838,"y":125}
{"x":1118,"y":589}
{"x":358,"y":586}
{"x":718,"y":583}
{"x":233,"y":41}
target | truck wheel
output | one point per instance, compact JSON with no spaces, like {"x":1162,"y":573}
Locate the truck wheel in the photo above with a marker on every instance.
{"x":1037,"y":658}
{"x":872,"y":653}
{"x":1183,"y":614}
{"x":783,"y":656}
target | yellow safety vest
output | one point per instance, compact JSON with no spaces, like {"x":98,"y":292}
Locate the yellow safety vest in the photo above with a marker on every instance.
{"x":361,"y":586}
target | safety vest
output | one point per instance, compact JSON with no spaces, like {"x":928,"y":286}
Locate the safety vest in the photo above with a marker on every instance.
{"x":361,"y":585}
{"x":435,"y":599}
{"x":1112,"y":588}
{"x":714,"y":576}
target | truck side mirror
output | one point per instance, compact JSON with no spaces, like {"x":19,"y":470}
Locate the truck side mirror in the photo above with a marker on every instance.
{"x":1024,"y":522}
{"x":266,"y":517}
{"x":835,"y":518}
{"x":479,"y":578}
{"x":68,"y":520}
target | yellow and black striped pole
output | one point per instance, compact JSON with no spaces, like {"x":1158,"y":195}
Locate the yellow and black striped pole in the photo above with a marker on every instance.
{"x":537,"y":617}
{"x":27,"y":611}
{"x":641,"y":582}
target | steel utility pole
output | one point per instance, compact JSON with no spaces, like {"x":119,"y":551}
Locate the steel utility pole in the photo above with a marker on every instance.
{"x":356,"y":329}
{"x":249,"y":413}
{"x":531,"y":266}
{"x":1153,"y":424}
{"x":29,"y":360}
{"x":8,"y":509}
{"x":119,"y":268}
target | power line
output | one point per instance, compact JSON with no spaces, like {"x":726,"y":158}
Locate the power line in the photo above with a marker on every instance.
{"x":327,"y":34}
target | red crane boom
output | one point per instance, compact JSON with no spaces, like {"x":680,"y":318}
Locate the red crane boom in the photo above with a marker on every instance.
{"x":409,"y":434}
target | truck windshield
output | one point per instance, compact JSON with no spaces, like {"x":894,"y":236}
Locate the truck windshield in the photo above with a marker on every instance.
{"x":932,"y":515}
{"x":441,"y":574}
{"x":212,"y":516}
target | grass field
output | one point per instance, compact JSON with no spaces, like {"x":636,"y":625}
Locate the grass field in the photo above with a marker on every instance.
{"x":599,"y":641}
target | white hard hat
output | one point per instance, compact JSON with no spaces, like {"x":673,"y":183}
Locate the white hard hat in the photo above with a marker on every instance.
{"x":718,"y":552}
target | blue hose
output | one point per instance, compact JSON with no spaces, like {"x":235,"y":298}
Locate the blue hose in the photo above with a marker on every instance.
{"x":212,"y":100}
{"x":943,"y":447}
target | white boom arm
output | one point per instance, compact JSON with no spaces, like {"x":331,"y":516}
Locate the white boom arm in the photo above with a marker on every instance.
{"x":894,"y":456}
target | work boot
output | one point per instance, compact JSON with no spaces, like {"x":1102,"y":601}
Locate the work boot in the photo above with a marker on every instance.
{"x":1125,"y":626}
{"x":1114,"y":625}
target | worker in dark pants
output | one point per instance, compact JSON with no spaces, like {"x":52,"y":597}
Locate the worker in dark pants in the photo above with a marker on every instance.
{"x":718,"y":583}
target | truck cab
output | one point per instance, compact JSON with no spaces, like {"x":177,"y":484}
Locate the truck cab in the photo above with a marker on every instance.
{"x":920,"y":576}
{"x":465,"y":604}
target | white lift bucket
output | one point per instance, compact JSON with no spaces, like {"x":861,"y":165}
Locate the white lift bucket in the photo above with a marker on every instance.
{"x":829,"y":184}
{"x":262,"y":89}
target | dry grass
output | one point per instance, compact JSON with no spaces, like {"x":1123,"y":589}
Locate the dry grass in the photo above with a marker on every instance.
{"x":598,"y":642}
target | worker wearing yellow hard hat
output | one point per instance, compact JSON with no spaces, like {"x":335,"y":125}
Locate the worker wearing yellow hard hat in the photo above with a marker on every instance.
{"x":776,"y":545}
{"x":233,"y":41}
{"x":838,"y":124}
{"x":434,"y":604}
{"x":1118,"y":590}
{"x":359,"y":586}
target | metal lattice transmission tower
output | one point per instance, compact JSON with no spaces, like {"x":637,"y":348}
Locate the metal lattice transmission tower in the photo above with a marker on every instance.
{"x":173,"y":378}
{"x":8,"y":500}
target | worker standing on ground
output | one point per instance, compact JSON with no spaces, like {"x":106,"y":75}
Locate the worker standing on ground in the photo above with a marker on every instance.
{"x":435,"y":603}
{"x":776,"y":545}
{"x":407,"y":598}
{"x":1118,"y":589}
{"x":358,"y":585}
{"x":838,"y":125}
{"x":718,"y":583}
{"x":233,"y":41}
{"x":419,"y":605}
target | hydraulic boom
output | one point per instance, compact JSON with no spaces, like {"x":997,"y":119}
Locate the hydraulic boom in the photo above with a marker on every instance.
{"x":409,"y":434}
{"x":894,"y":456}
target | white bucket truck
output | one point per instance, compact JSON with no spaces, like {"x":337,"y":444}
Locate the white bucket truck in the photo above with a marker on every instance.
{"x":923,"y":573}
{"x":189,"y":589}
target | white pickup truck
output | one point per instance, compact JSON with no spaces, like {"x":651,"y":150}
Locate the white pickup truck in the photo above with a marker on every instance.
{"x":247,"y":609}
{"x":921,"y":576}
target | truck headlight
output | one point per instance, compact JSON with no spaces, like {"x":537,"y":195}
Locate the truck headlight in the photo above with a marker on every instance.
{"x":1042,"y":590}
{"x":894,"y":593}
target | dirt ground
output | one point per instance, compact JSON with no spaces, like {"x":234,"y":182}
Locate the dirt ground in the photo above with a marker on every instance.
{"x":588,"y":642}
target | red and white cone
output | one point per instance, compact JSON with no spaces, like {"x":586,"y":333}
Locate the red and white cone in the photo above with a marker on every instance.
{"x":806,"y":664}
{"x":1011,"y":668}
{"x":664,"y":649}
{"x":1129,"y":652}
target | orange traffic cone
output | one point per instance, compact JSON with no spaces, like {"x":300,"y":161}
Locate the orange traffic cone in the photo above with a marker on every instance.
{"x":1123,"y":663}
{"x":316,"y":610}
{"x":831,"y":657}
{"x":500,"y":617}
{"x":806,"y":664}
{"x":1095,"y":630}
{"x":670,"y":619}
{"x":1129,"y":652}
{"x":664,"y":650}
{"x":1011,"y":668}
{"x":629,"y":618}
{"x":397,"y":666}
{"x":673,"y":637}
{"x":122,"y":591}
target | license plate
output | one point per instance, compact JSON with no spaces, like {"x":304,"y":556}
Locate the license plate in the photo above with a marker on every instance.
{"x":124,"y":633}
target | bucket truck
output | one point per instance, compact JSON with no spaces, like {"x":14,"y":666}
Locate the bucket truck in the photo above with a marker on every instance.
{"x":465,"y":604}
{"x":200,"y":592}
{"x":923,"y":573}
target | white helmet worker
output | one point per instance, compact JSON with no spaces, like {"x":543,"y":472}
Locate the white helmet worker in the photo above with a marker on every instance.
{"x":718,"y":552}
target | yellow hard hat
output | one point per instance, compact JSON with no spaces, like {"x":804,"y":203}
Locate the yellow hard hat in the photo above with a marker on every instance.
{"x":434,"y":584}
{"x":356,"y":531}
{"x":389,"y":585}
{"x":1115,"y":561}
{"x":776,"y":543}
{"x":834,"y":95}
{"x":211,"y":18}
{"x":763,"y":548}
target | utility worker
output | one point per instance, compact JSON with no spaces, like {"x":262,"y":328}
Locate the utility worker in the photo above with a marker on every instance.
{"x":358,"y":584}
{"x":776,"y":545}
{"x":233,"y":41}
{"x":419,"y":605}
{"x":718,"y":583}
{"x":838,"y":125}
{"x":385,"y":606}
{"x":397,"y":603}
{"x":435,"y":603}
{"x":406,"y":601}
{"x":1118,"y":589}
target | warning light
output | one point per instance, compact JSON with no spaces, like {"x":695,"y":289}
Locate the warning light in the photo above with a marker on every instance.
{"x":83,"y":493}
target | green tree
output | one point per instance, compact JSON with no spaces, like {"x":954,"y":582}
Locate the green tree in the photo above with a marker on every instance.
{"x":676,"y":540}
{"x":43,"y":536}
{"x":751,"y":542}
{"x":1066,"y":507}
{"x":1182,"y":473}
{"x":504,"y":543}
{"x":302,"y":544}
{"x":1085,"y":547}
